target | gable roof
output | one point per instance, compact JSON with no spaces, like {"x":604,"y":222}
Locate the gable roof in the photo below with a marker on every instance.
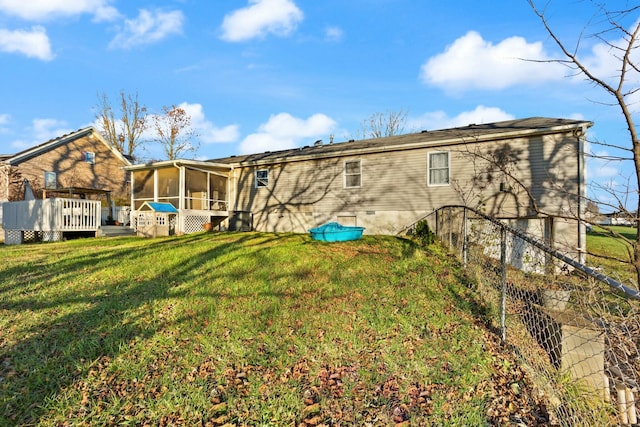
{"x":460,"y":135}
{"x":40,"y":149}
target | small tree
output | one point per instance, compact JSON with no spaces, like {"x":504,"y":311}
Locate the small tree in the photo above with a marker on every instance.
{"x":125,"y":130}
{"x":174,"y":131}
{"x":379,"y":125}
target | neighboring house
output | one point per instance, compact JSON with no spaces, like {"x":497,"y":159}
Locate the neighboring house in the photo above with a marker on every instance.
{"x":618,"y":218}
{"x":80,"y":159}
{"x":530,"y":171}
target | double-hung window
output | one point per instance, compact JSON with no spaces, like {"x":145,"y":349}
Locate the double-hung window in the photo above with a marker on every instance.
{"x":262,"y":178}
{"x":438,"y":168}
{"x":352,"y":174}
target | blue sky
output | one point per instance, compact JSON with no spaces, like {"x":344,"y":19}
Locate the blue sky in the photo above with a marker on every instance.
{"x":260,"y":75}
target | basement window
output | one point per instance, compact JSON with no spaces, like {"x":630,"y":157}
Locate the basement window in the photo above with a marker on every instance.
{"x":262,"y":178}
{"x":352,"y":174}
{"x":438,"y":168}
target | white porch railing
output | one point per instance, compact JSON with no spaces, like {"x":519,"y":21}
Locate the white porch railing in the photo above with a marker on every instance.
{"x":52,"y":217}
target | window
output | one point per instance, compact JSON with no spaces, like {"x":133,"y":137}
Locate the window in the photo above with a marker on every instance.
{"x":262,"y":178}
{"x":352,"y":174}
{"x":89,"y":157}
{"x":50,"y":181}
{"x":438,"y":168}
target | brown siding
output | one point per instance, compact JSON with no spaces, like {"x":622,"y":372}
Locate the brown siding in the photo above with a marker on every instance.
{"x":72,"y":170}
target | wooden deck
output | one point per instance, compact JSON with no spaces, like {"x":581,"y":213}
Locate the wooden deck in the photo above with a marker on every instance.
{"x":49,"y":218}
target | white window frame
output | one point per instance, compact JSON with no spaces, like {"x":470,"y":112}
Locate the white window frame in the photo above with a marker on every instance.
{"x":49,"y":179}
{"x":261,"y":182}
{"x":345,"y":174}
{"x":429,"y":169}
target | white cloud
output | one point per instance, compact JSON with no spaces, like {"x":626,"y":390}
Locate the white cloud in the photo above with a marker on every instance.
{"x":283,"y":131}
{"x":333,"y":34}
{"x":41,"y":130}
{"x":440,"y":119}
{"x":5,"y":119}
{"x":40,"y":10}
{"x":278,"y":17}
{"x":474,"y":63}
{"x":149,"y":27}
{"x":33,"y":43}
{"x":602,"y":168}
{"x":209,"y":133}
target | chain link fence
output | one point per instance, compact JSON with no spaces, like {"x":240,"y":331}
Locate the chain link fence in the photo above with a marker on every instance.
{"x":576,"y":328}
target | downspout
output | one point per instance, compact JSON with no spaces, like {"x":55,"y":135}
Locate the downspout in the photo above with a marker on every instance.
{"x":182,"y":180}
{"x":133,"y":208}
{"x":582,"y":193}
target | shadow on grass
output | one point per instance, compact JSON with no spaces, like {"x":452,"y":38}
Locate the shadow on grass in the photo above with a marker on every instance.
{"x":51,"y":354}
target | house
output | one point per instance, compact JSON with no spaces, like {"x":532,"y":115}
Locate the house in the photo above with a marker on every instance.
{"x":82,"y":159}
{"x":60,"y":185}
{"x":619,"y":218}
{"x":528,"y":171}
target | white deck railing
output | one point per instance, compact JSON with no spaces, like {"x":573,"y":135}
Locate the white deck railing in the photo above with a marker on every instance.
{"x":56,"y":214}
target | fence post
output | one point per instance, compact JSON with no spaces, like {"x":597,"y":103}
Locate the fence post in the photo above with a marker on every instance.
{"x":464,"y":237}
{"x":450,"y":227}
{"x":503,"y":279}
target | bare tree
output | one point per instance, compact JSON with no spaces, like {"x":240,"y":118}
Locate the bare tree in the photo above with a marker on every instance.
{"x":124,"y":131}
{"x":379,"y":125}
{"x":620,"y":32}
{"x":174,"y":132}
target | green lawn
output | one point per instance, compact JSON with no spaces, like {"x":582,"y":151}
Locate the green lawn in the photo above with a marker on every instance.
{"x":247,"y":329}
{"x":611,"y":252}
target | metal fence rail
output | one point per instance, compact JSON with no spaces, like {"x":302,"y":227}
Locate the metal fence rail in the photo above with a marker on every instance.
{"x":576,"y":328}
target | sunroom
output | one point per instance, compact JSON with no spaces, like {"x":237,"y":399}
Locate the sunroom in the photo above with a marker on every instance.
{"x":198,"y":190}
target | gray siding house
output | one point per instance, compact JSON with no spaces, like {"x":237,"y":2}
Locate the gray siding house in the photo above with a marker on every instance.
{"x":528,"y":171}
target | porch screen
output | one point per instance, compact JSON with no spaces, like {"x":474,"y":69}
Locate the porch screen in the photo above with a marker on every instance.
{"x":168,"y":182}
{"x":196,"y":189}
{"x":142,"y":187}
{"x":218,"y":186}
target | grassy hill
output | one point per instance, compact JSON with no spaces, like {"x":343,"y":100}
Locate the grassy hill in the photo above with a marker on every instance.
{"x":248,"y":329}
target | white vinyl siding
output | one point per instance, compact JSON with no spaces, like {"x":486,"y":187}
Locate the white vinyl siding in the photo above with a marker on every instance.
{"x":438,"y":168}
{"x":352,"y":174}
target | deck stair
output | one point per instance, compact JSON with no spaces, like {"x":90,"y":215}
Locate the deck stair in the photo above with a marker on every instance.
{"x":115,"y":231}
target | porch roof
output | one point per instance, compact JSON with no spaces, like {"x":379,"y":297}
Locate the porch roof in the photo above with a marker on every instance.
{"x":176,"y":163}
{"x":75,"y":190}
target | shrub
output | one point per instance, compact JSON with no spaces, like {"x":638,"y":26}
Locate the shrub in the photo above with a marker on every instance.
{"x":423,"y":233}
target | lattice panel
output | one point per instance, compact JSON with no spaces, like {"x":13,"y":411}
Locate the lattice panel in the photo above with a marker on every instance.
{"x":193,"y":223}
{"x":51,"y":236}
{"x":16,"y":237}
{"x":12,"y":237}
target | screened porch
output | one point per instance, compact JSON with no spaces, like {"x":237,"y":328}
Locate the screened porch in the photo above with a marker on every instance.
{"x":198,"y":190}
